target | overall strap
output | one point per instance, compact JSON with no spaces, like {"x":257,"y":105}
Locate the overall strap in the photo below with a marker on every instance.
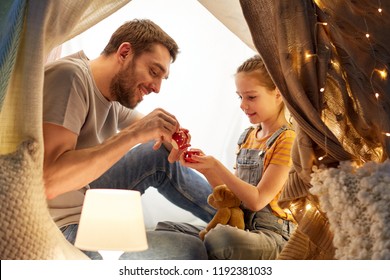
{"x":275,"y":136}
{"x":244,"y":135}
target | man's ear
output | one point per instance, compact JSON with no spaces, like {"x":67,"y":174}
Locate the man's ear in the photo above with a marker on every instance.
{"x":124,"y":51}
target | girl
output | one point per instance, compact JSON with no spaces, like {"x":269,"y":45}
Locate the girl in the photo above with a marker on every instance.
{"x":262,"y":167}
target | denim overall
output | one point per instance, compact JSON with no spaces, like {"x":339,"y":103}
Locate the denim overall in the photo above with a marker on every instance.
{"x":249,"y":166}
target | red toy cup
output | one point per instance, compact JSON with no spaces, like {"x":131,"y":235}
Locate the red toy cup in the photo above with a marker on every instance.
{"x":181,"y":139}
{"x":188,"y":155}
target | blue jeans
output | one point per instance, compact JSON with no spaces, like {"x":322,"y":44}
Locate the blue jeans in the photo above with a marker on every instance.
{"x":162,"y":246}
{"x":141,"y":168}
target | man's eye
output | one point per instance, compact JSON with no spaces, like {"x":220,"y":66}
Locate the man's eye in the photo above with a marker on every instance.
{"x":153,"y":73}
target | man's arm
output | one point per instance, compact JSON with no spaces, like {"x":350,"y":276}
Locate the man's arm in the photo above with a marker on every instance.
{"x":67,"y":169}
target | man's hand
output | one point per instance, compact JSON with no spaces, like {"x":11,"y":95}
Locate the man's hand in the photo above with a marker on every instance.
{"x":175,"y":154}
{"x":159,"y":125}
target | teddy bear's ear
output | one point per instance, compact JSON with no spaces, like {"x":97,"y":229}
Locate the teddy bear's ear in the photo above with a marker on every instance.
{"x":219,"y":193}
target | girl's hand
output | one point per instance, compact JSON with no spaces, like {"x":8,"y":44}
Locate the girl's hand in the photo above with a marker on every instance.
{"x":201,"y":162}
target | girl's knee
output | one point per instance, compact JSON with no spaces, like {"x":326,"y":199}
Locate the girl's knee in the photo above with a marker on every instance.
{"x":220,"y":242}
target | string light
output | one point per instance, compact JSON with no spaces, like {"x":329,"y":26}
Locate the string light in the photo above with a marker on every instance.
{"x":321,"y":158}
{"x":382,"y":73}
{"x":380,"y":7}
{"x":310,"y":55}
{"x":322,"y":23}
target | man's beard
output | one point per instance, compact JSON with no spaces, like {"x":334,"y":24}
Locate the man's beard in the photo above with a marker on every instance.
{"x":123,"y":87}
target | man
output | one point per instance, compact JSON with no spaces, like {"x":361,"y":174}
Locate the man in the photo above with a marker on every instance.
{"x":91,"y":130}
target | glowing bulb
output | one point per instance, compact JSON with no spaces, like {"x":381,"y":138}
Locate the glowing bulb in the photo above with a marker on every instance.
{"x":380,"y":10}
{"x":321,"y":158}
{"x":367,"y":35}
{"x":308,"y":207}
{"x":322,"y":23}
{"x":309,"y":55}
{"x":322,"y":89}
{"x":383,"y":73}
{"x":387,"y":134}
{"x":376,"y":95}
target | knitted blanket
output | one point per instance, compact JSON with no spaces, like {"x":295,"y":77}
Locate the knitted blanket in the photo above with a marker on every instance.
{"x":29,"y":31}
{"x":356,"y":201}
{"x":27,"y":230}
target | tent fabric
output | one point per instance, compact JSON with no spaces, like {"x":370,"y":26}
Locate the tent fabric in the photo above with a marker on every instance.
{"x":333,"y":79}
{"x":329,"y":59}
{"x":27,"y":231}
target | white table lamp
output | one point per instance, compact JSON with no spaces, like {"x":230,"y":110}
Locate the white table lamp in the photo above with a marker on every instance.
{"x":111,"y":223}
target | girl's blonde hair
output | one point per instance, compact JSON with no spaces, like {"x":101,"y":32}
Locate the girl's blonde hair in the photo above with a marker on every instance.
{"x":255,"y":63}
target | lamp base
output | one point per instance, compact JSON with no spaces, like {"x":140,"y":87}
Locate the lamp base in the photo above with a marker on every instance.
{"x":110,"y":255}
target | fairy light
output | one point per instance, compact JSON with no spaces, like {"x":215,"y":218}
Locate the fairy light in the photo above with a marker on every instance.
{"x":309,"y":55}
{"x":382,"y":73}
{"x":320,"y":158}
{"x":380,"y":7}
{"x":322,"y":23}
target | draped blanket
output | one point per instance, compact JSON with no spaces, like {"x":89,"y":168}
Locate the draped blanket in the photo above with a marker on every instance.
{"x":330,"y":60}
{"x":29,"y":31}
{"x":356,"y":201}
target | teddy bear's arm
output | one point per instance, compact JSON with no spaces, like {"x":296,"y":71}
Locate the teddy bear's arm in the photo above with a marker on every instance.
{"x":222,"y":216}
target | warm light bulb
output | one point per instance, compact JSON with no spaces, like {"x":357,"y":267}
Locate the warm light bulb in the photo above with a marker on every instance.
{"x":382,"y":73}
{"x":380,"y":10}
{"x":376,"y":95}
{"x":322,"y":23}
{"x":308,"y":55}
{"x":322,"y":89}
{"x":367,"y":35}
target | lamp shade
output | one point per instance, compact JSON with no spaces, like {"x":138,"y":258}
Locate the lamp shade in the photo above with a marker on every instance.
{"x":112,"y":220}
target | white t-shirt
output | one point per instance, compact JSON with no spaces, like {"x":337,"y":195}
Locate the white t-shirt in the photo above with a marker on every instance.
{"x":71,"y":99}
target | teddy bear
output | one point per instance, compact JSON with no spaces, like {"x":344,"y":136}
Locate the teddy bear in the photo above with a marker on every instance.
{"x":228,"y":209}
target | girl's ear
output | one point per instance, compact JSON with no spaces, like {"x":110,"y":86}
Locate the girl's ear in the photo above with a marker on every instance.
{"x":278,"y":94}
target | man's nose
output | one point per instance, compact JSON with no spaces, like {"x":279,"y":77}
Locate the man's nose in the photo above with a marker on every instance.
{"x":156,"y":85}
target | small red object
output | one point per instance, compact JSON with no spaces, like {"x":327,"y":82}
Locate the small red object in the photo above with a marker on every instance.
{"x":188,"y":156}
{"x":181,"y":139}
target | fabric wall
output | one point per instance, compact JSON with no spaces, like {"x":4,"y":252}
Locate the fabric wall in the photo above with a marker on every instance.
{"x":29,"y":31}
{"x":333,"y":78}
{"x":329,"y":59}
